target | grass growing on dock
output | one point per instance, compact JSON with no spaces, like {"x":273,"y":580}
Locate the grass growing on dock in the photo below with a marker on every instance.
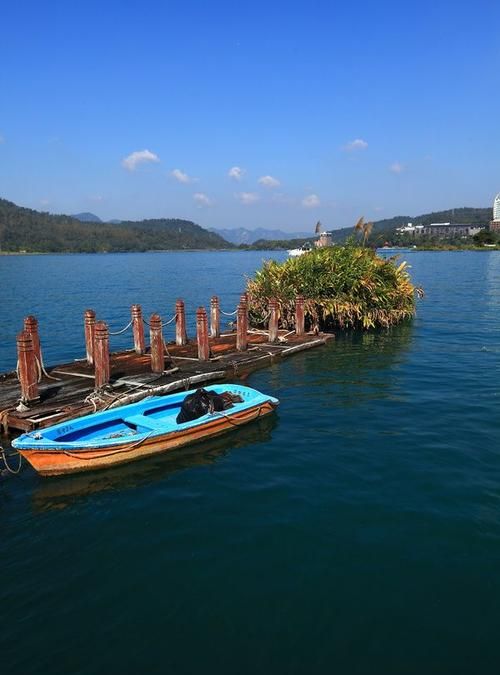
{"x":344,"y":287}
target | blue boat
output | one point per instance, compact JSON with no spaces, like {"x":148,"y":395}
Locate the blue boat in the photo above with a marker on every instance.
{"x":137,"y":430}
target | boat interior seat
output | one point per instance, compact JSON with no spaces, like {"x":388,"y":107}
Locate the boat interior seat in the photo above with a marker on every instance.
{"x":143,"y":423}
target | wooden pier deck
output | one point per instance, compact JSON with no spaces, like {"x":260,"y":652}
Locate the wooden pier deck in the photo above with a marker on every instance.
{"x":69,"y":390}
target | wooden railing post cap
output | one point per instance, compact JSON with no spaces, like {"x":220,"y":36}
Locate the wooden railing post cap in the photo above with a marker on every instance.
{"x":155,"y":319}
{"x":101,"y":329}
{"x":30,"y":321}
{"x":24,"y":341}
{"x":136,"y":310}
{"x":89,"y":315}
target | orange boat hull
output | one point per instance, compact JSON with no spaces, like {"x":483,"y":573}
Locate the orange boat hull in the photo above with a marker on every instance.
{"x":59,"y":462}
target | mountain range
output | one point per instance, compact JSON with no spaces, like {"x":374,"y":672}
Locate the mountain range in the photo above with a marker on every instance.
{"x":243,"y":235}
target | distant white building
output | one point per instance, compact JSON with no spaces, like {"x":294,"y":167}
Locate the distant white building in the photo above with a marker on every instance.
{"x":496,"y":207}
{"x":410,"y":229}
{"x":440,"y":230}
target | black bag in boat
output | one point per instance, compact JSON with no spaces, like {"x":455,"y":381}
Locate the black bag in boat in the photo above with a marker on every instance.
{"x":202,"y":402}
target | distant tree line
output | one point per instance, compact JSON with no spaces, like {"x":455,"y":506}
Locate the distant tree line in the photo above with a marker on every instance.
{"x":23,"y":229}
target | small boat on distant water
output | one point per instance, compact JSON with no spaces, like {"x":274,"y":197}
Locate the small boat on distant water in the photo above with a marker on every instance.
{"x":294,"y":252}
{"x":134,"y":431}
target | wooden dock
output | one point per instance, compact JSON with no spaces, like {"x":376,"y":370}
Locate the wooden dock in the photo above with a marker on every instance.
{"x":35,"y":397}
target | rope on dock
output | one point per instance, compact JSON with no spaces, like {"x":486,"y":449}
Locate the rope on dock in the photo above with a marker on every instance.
{"x":4,"y":420}
{"x":42,"y":371}
{"x":229,"y":313}
{"x":119,"y":332}
{"x":9,"y":468}
{"x":163,"y":323}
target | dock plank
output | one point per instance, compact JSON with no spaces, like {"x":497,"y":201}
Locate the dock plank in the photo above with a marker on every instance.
{"x":70,"y":393}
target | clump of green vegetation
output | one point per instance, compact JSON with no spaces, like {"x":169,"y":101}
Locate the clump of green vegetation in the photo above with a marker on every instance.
{"x":343,"y":286}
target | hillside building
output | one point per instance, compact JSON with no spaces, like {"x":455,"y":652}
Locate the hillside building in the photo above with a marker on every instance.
{"x":440,"y":230}
{"x":443,"y":230}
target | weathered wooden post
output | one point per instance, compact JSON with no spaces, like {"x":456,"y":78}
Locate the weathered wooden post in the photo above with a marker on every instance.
{"x":31,"y":327}
{"x":89,"y":322}
{"x":241,"y":328}
{"x":27,"y":368}
{"x":202,"y":334}
{"x":244,"y":303}
{"x":214,"y":317}
{"x":180,"y":323}
{"x":299,"y":315}
{"x":156,"y":342}
{"x":101,"y":355}
{"x":273,"y":319}
{"x":138,"y":329}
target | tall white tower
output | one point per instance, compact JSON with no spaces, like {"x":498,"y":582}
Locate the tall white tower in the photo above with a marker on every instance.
{"x":496,"y":208}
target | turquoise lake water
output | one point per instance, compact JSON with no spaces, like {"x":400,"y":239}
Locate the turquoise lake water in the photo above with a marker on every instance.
{"x":357,"y":531}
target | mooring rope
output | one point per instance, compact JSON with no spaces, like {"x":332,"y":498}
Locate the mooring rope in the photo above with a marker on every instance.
{"x":10,"y":469}
{"x":229,"y":313}
{"x":41,"y":370}
{"x":94,"y":398}
{"x":4,"y":419}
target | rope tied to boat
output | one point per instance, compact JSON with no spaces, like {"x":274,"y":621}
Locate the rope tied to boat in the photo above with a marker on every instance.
{"x":238,"y":423}
{"x":14,"y":472}
{"x":94,"y":399}
{"x":129,"y":448}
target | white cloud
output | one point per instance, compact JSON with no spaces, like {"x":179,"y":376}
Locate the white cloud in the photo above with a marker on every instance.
{"x":181,"y":176}
{"x":396,"y":167}
{"x":236,"y":172}
{"x":247,"y":198}
{"x":356,"y":144}
{"x":269,"y":181}
{"x":202,"y":199}
{"x":311,"y":201}
{"x":139,"y":157}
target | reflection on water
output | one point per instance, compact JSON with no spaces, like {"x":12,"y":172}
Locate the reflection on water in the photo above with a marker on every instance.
{"x":352,"y":369}
{"x":60,"y":492}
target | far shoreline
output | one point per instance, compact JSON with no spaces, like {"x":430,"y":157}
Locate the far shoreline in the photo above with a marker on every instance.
{"x":247,"y":249}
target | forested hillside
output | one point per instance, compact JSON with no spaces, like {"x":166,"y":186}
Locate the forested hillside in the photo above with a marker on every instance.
{"x":27,"y":230}
{"x":385,"y":229}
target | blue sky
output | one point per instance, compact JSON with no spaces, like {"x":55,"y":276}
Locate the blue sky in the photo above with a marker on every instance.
{"x":321,"y":109}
